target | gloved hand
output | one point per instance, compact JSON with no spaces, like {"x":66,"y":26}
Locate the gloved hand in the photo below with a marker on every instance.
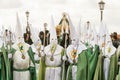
{"x":64,"y":58}
{"x":36,"y":57}
{"x":10,"y":55}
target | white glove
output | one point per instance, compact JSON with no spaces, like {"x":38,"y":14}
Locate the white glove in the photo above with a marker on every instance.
{"x":9,"y":55}
{"x":36,"y":57}
{"x":64,"y":58}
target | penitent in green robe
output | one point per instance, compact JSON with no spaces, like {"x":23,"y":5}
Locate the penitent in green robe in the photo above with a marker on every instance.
{"x":4,"y":65}
{"x":99,"y":74}
{"x":87,"y":62}
{"x":82,"y":66}
{"x":92,"y":62}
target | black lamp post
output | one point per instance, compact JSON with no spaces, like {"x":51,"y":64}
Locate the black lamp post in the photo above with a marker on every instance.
{"x":101,"y":5}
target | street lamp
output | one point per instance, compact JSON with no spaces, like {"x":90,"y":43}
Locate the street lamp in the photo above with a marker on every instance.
{"x":27,"y":16}
{"x":101,"y":5}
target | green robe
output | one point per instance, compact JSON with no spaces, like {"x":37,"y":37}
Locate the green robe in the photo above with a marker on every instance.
{"x":87,"y":62}
{"x":92,"y":62}
{"x":119,"y":73}
{"x":99,"y":74}
{"x":2,"y":67}
{"x":82,"y":66}
{"x":113,"y":67}
{"x":5,"y":65}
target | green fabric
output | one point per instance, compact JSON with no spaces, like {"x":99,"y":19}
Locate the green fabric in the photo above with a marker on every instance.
{"x":93,"y":62}
{"x":69,"y":73}
{"x":88,"y":55}
{"x":99,"y":68}
{"x":0,"y":60}
{"x":7,"y":64}
{"x":12,"y":51}
{"x":32,"y":69}
{"x":82,"y":66}
{"x":2,"y":69}
{"x":59,"y":39}
{"x":31,"y":54}
{"x":63,"y":65}
{"x":99,"y":74}
{"x":89,"y":52}
{"x":113,"y":67}
{"x":41,"y":73}
{"x":119,"y":74}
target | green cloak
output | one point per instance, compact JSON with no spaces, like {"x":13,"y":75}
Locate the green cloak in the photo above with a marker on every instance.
{"x":113,"y":67}
{"x":93,"y":62}
{"x":5,"y":65}
{"x":2,"y":67}
{"x":99,"y":74}
{"x":82,"y":66}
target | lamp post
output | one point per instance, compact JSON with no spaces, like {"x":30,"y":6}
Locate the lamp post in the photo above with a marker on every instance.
{"x":101,"y":5}
{"x":27,"y":16}
{"x":45,"y":28}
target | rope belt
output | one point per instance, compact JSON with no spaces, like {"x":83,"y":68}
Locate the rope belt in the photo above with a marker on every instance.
{"x":53,"y":66}
{"x":20,"y":70}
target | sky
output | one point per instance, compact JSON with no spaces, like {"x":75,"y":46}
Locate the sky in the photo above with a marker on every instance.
{"x":41,"y":11}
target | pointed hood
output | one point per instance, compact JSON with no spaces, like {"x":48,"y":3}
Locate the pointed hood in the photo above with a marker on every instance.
{"x":18,"y":28}
{"x":79,"y":30}
{"x":102,"y":29}
{"x":109,"y":49}
{"x":53,"y":36}
{"x":104,"y":35}
{"x":34,"y":34}
{"x":73,"y":34}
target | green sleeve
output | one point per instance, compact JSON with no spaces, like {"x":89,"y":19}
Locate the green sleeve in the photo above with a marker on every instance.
{"x":93,"y":62}
{"x":82,"y":66}
{"x":98,"y":75}
{"x":63,"y":52}
{"x":12,"y":51}
{"x":112,"y":68}
{"x":32,"y":69}
{"x":63,"y":65}
{"x":41,"y":72}
{"x":7,"y":63}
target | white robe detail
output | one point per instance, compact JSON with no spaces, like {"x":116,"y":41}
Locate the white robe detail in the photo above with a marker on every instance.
{"x":20,"y":63}
{"x":1,"y":42}
{"x":106,"y":67}
{"x":81,"y":47}
{"x":53,"y":68}
{"x":107,"y":59}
